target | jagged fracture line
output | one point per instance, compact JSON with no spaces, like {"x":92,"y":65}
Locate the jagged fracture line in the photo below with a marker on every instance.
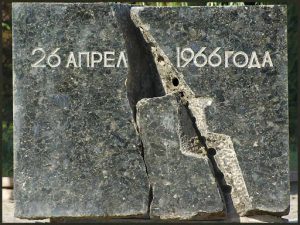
{"x":227,"y":161}
{"x":150,"y":196}
{"x":225,"y":155}
{"x":129,"y":30}
{"x":241,"y":200}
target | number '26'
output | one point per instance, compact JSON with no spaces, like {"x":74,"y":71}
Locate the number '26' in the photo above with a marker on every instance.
{"x":53,"y":60}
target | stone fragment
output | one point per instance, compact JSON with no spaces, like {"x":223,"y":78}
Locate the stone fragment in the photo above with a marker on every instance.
{"x":77,"y":153}
{"x":178,"y":168}
{"x":237,"y":57}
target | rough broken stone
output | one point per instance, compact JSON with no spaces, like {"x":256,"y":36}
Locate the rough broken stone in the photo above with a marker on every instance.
{"x":143,"y":80}
{"x":225,"y":158}
{"x":248,"y":109}
{"x":76,"y":150}
{"x":178,"y":168}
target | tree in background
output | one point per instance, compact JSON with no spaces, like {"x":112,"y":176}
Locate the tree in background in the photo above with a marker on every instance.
{"x":6,"y":92}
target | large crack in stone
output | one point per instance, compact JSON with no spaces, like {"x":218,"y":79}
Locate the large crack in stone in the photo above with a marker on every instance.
{"x":143,"y":80}
{"x":172,"y":80}
{"x":223,"y":161}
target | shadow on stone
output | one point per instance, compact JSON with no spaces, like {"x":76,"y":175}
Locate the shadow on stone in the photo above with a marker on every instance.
{"x":143,"y":80}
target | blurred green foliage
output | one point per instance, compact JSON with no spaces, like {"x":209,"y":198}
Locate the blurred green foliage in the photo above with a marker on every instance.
{"x":6,"y":91}
{"x":161,"y":3}
{"x":293,"y":157}
{"x":225,"y":3}
{"x":292,"y":76}
{"x":293,"y":72}
{"x":7,"y":143}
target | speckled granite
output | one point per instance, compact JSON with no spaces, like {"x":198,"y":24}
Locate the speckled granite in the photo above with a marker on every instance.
{"x":183,"y":184}
{"x":248,"y":106}
{"x":76,"y":150}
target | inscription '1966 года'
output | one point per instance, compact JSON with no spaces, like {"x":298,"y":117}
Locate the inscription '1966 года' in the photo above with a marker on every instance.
{"x":239,"y":59}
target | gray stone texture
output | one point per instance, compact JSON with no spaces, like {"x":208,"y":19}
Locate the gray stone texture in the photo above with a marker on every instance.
{"x":76,"y":150}
{"x":178,"y":168}
{"x":76,"y":147}
{"x":249,"y":106}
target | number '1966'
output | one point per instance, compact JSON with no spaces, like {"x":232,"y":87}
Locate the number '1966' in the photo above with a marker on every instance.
{"x":239,"y":59}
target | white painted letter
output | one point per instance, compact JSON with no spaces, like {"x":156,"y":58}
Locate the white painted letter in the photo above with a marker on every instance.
{"x":87,"y":58}
{"x":122,"y":58}
{"x":40,"y":60}
{"x":267,"y":59}
{"x":214,"y":54}
{"x":254,"y":58}
{"x":54,"y":55}
{"x":187,"y":59}
{"x":244,"y":63}
{"x":93,"y":60}
{"x":178,"y":56}
{"x":71,"y":59}
{"x":227,"y":55}
{"x":200,"y":54}
{"x":107,"y":59}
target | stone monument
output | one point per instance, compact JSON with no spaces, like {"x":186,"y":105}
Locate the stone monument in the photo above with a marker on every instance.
{"x":169,"y":113}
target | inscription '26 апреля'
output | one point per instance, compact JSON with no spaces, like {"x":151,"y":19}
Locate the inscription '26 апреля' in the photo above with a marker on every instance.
{"x":79,"y":59}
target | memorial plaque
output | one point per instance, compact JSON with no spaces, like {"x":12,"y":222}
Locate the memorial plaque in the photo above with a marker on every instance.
{"x":161,"y":112}
{"x":236,"y":59}
{"x":77,"y":152}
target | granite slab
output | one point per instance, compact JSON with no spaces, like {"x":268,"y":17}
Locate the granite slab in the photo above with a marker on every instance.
{"x":177,"y":164}
{"x":77,"y":153}
{"x":237,"y":58}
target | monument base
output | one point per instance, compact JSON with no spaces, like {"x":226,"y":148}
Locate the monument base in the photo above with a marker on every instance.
{"x":243,"y":219}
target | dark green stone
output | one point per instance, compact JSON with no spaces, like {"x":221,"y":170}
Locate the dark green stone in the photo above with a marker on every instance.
{"x":77,"y":152}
